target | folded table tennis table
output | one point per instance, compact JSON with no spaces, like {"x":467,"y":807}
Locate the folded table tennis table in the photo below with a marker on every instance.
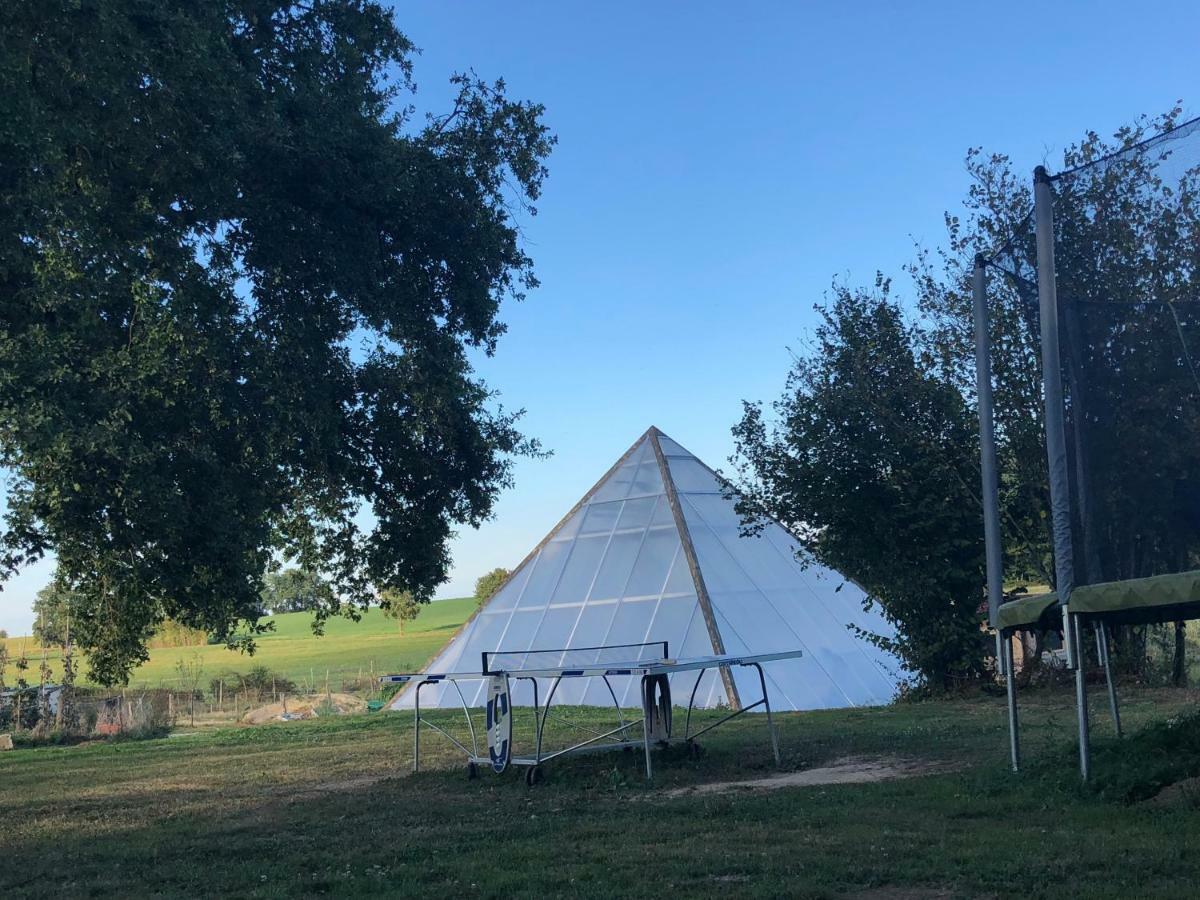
{"x":649,"y":662}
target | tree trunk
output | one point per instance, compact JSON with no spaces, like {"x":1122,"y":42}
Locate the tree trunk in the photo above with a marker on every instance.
{"x":1179,"y":668}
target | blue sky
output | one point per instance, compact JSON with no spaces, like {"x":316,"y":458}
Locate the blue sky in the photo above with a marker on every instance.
{"x":718,"y":166}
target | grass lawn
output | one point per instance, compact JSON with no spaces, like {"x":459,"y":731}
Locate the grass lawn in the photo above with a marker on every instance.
{"x":292,"y":650}
{"x":329,"y":806}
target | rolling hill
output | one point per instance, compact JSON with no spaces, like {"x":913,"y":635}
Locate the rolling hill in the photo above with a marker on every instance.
{"x":346,"y":650}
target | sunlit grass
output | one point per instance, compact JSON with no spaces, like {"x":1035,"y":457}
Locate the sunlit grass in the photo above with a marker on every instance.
{"x":347,"y":649}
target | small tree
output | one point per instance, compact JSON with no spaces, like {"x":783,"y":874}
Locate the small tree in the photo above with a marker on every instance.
{"x":488,"y":584}
{"x":190,"y":671}
{"x":399,"y":605}
{"x":52,"y":608}
{"x":871,"y":460}
{"x":3,"y":634}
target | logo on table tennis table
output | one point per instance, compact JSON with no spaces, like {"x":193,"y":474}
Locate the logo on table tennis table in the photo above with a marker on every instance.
{"x":499,"y":723}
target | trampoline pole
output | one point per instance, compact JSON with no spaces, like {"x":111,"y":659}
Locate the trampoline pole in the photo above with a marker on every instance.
{"x":1014,"y":740}
{"x":1081,"y":707}
{"x":1102,"y":649}
{"x":993,"y":550}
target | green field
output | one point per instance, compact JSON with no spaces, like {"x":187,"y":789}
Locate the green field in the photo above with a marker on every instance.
{"x":346,"y":648}
{"x":329,"y":807}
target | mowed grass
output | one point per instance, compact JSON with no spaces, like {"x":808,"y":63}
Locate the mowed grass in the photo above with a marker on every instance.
{"x":329,"y":807}
{"x":292,"y":650}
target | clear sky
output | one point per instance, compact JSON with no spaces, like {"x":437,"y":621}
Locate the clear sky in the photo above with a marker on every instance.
{"x":718,"y":165}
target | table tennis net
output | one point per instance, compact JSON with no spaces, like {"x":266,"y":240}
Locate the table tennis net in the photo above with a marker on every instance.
{"x":512,"y":661}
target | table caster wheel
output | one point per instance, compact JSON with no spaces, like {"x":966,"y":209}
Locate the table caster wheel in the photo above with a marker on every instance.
{"x":533,"y":775}
{"x":694,"y":750}
{"x":472,"y":771}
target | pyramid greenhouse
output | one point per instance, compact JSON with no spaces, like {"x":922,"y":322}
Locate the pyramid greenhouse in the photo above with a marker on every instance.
{"x":655,"y":552}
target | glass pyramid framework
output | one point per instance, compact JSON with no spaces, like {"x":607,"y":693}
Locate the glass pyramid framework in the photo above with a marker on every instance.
{"x":654,"y":552}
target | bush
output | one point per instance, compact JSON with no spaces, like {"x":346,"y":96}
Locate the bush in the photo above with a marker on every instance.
{"x":259,"y":681}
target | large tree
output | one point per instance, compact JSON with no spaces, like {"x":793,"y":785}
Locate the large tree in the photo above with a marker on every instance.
{"x":238,"y":286}
{"x":870,"y":459}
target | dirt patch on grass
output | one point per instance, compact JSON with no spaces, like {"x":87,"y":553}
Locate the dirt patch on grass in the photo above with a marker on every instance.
{"x":306,"y":708}
{"x":1182,"y":793}
{"x":850,"y":770}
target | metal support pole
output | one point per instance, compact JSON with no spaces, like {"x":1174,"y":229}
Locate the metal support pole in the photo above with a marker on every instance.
{"x":1056,"y":432}
{"x":1014,"y":740}
{"x":1056,"y":444}
{"x":646,"y":725}
{"x":1081,"y":707}
{"x":762,"y":681}
{"x":1102,"y":648}
{"x":987,"y":445}
{"x":417,"y":728}
{"x":1068,"y":631}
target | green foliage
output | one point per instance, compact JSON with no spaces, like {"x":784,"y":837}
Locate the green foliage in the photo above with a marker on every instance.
{"x":238,"y":285}
{"x":871,"y":463}
{"x":295,"y":590}
{"x":399,"y":605}
{"x":488,"y":584}
{"x":170,"y":633}
{"x":1125,"y":250}
{"x":52,"y":609}
{"x":259,"y":681}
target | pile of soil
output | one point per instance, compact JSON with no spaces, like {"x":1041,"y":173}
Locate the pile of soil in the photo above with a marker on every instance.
{"x":310,"y":707}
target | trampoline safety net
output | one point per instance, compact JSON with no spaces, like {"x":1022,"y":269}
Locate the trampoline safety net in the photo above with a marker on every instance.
{"x":1127,"y":271}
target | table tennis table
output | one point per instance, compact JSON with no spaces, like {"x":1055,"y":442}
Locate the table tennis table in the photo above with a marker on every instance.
{"x":649,"y":662}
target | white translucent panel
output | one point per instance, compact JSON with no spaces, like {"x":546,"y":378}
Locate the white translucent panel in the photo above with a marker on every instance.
{"x":759,"y":625}
{"x":616,"y":486}
{"x":646,"y":480}
{"x":632,"y":621}
{"x":680,"y":581}
{"x":721,"y":571}
{"x":662,"y":513}
{"x":690,"y":475}
{"x":506,"y":597}
{"x":593,"y":623}
{"x":546,"y":569}
{"x":570,"y":527}
{"x":554,"y":631}
{"x":670,"y":448}
{"x":637,"y":513}
{"x":754,"y":553}
{"x":649,"y":575}
{"x":670,"y":622}
{"x":643,"y":452}
{"x":601,"y":518}
{"x":618,"y":561}
{"x":580,"y":570}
